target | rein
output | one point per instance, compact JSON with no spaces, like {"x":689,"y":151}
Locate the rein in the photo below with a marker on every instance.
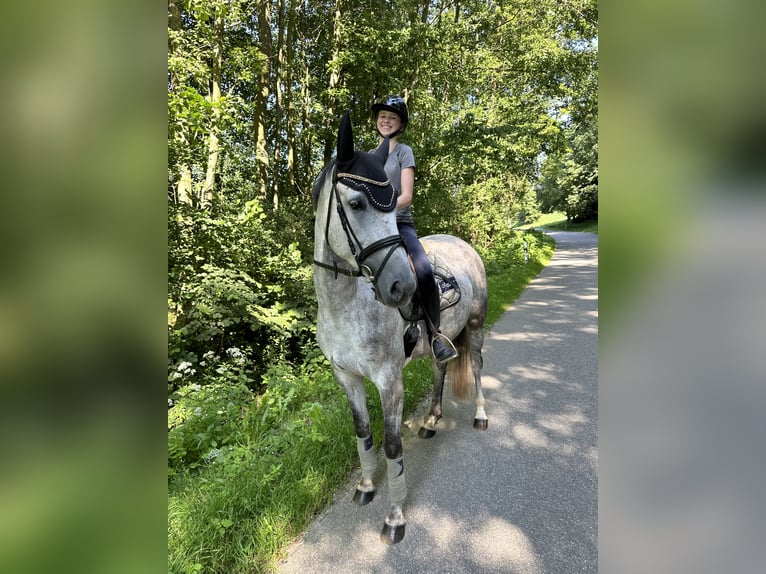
{"x":392,"y":241}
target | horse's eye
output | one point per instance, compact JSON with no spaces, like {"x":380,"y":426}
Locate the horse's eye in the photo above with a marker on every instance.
{"x":356,"y":204}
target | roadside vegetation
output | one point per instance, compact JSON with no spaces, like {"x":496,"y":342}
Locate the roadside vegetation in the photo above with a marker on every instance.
{"x":558,"y":221}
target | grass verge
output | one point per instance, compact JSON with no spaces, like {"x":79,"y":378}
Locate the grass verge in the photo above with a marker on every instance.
{"x":238,"y":511}
{"x":557,"y":221}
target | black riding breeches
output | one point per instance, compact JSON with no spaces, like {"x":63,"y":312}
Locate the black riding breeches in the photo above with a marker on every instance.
{"x":427,"y":292}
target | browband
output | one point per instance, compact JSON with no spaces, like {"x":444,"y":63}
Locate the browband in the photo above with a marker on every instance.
{"x":364,"y":179}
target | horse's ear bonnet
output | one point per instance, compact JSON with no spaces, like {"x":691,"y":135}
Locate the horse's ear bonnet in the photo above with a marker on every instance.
{"x":364,"y":171}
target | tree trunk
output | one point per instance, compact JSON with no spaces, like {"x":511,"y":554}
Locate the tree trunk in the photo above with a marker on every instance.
{"x":208,"y":188}
{"x":261,"y":96}
{"x":280,"y":69}
{"x":308,"y":140}
{"x":287,"y":66}
{"x":183,"y":187}
{"x":335,"y":80}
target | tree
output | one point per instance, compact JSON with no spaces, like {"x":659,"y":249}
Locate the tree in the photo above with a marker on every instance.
{"x":569,"y":174}
{"x":569,"y":178}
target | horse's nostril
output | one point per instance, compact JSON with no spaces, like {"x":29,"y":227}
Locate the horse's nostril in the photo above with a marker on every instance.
{"x":396,"y":292}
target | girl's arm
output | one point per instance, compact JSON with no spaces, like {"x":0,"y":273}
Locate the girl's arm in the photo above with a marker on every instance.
{"x":408,"y":186}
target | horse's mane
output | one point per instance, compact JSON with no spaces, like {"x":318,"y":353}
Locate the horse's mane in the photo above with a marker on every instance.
{"x":319,"y":182}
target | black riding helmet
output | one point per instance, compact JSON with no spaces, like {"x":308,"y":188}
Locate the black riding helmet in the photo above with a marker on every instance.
{"x":395,"y":104}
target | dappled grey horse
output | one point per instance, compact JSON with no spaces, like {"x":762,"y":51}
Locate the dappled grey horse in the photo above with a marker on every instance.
{"x":362,"y":278}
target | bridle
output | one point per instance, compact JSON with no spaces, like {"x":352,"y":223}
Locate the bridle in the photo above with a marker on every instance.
{"x":359,"y":252}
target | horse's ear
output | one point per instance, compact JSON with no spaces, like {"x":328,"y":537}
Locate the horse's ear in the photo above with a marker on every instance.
{"x":382,"y":151}
{"x":345,"y":139}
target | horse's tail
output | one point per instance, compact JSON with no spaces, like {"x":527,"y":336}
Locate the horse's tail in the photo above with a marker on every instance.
{"x":460,"y":370}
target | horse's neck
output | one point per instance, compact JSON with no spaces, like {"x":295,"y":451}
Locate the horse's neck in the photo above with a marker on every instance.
{"x":333,"y":290}
{"x":330,"y":288}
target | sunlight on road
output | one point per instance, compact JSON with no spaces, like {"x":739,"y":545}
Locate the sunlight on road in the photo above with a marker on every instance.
{"x":502,"y":544}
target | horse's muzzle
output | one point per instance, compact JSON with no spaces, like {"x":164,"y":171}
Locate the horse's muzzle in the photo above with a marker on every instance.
{"x":401,"y":294}
{"x":398,"y":290}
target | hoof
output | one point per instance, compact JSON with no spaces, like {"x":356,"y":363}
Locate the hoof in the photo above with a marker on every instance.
{"x":480,"y":424}
{"x":426,"y":432}
{"x":391,"y":534}
{"x":362,"y":497}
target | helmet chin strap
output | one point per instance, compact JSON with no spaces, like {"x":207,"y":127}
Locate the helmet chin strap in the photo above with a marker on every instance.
{"x":393,"y":135}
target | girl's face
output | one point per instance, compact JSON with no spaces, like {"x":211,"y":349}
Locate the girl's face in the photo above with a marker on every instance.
{"x":388,"y":123}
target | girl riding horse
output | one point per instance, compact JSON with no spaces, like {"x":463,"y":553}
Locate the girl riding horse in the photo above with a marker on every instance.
{"x":391,"y":119}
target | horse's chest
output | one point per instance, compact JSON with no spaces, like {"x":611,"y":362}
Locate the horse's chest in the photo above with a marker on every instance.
{"x":352,"y":337}
{"x":345,"y":328}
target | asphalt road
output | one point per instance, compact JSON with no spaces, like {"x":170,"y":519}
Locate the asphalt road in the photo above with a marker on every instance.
{"x":520,"y":497}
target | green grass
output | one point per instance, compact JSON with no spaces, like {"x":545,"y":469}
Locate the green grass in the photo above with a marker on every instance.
{"x":557,"y":221}
{"x":238,"y":512}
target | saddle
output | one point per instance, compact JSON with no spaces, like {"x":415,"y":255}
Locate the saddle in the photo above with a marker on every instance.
{"x":449,"y":292}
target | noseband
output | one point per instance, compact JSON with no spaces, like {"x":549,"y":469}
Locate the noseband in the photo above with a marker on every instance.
{"x":392,"y":241}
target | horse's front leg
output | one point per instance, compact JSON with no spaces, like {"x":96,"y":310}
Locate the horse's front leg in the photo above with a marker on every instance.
{"x":392,"y":400}
{"x":353,"y":385}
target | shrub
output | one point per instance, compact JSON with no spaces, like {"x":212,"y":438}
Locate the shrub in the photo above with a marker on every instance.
{"x":205,"y":418}
{"x":232,"y":283}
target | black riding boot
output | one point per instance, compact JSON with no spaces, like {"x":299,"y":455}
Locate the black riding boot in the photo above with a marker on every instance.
{"x":442,"y":348}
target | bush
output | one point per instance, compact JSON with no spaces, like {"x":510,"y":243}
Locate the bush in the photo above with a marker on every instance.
{"x":232,"y":283}
{"x":509,"y":251}
{"x":204,"y":418}
{"x":582,"y":204}
{"x":232,"y":509}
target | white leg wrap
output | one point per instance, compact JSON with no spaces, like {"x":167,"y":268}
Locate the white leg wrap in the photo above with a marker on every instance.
{"x":397,"y":487}
{"x":367,"y":456}
{"x":480,"y":412}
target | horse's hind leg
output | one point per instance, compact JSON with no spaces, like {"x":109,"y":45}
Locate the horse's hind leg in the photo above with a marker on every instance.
{"x":429,"y":425}
{"x":480,"y":421}
{"x":353,"y":385}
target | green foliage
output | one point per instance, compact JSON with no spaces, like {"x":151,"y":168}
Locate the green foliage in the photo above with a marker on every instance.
{"x":509,"y":271}
{"x":490,"y":88}
{"x":203,"y":419}
{"x":232,"y":284}
{"x":509,"y":252}
{"x":569,"y":175}
{"x":570,"y":184}
{"x":233,"y":510}
{"x":484,"y":214}
{"x":558,"y":221}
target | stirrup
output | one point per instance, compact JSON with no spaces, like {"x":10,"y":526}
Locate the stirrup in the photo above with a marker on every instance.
{"x":453,"y":354}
